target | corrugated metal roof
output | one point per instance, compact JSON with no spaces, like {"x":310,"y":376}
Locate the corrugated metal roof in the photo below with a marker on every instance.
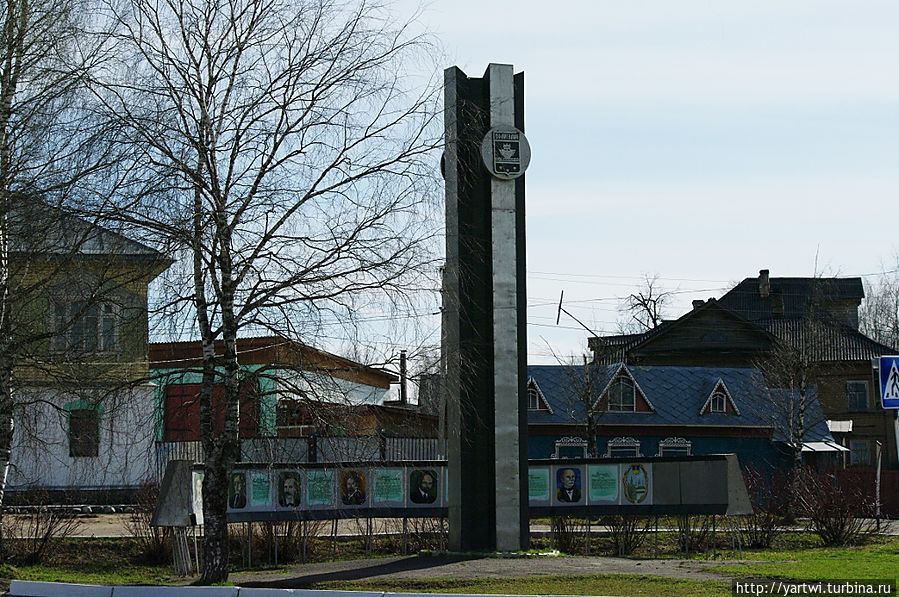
{"x":825,"y":342}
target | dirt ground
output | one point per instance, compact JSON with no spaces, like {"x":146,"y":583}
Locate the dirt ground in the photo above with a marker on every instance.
{"x":113,"y":525}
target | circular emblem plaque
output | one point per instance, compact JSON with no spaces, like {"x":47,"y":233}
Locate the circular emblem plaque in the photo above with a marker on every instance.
{"x":506,"y":152}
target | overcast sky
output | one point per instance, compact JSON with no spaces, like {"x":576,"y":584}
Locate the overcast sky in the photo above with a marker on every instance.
{"x":700,"y":141}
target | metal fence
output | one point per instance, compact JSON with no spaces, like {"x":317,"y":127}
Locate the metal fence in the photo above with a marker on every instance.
{"x":312,"y":449}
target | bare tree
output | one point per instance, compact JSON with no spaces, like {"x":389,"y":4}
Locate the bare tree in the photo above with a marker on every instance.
{"x":52,"y":153}
{"x":281,"y":149}
{"x":790,"y":374}
{"x":878,"y":316}
{"x":791,"y":371}
{"x":646,"y":308}
{"x":581,"y":396}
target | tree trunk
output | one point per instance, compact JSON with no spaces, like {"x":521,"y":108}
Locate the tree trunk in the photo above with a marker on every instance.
{"x":216,"y":546}
{"x":13,"y":32}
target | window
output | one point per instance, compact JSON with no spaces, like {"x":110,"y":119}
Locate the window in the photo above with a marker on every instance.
{"x":533,"y":398}
{"x":182,"y":411}
{"x":622,"y":395}
{"x":857,"y":392}
{"x":675,"y":446}
{"x":570,"y":447}
{"x":84,"y":432}
{"x":84,"y":327}
{"x":859,"y":452}
{"x":623,"y":447}
{"x":536,"y":399}
{"x":718,"y":403}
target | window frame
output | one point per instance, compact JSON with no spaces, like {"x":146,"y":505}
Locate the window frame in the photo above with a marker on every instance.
{"x":533,"y":398}
{"x":852,"y":407}
{"x":618,"y":406}
{"x":854,"y":445}
{"x":675,"y":446}
{"x":623,"y":447}
{"x":86,"y":328}
{"x":718,"y":396}
{"x":89,"y":445}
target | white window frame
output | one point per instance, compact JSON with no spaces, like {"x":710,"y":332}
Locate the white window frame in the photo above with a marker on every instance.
{"x":623,"y":447}
{"x":570,"y":442}
{"x":542,"y":403}
{"x":619,"y":406}
{"x":718,"y":403}
{"x":74,"y":320}
{"x":675,"y":446}
{"x":533,"y":398}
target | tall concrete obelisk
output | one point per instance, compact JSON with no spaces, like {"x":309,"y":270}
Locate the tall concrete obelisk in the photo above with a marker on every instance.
{"x":485,"y":309}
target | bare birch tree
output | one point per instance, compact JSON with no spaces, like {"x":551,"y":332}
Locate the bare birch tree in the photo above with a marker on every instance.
{"x":51,"y":152}
{"x":281,"y":147}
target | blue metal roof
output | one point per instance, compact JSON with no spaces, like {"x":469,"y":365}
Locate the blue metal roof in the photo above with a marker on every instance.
{"x":677,"y":395}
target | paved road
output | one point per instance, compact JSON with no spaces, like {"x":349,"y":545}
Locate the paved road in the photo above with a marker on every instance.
{"x":426,"y":567}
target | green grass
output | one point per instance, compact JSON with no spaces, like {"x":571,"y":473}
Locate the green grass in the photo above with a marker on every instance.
{"x":877,"y":561}
{"x":597,"y":584}
{"x":92,"y":561}
{"x":129,"y":575}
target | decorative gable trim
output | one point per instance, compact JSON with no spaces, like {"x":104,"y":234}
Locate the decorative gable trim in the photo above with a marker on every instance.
{"x":532,"y":383}
{"x":720,"y":386}
{"x":623,"y":370}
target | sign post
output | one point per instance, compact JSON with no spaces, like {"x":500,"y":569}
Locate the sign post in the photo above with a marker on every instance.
{"x":889,"y":382}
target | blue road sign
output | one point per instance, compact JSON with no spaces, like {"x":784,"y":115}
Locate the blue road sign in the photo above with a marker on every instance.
{"x":889,"y":382}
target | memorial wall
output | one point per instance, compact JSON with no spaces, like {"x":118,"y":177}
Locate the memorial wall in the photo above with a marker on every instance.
{"x":677,"y":485}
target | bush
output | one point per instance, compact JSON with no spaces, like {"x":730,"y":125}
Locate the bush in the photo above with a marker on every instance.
{"x":565,"y":533}
{"x":628,"y":532}
{"x":292,"y":539}
{"x":769,"y":499}
{"x":28,"y":537}
{"x":840,"y":514}
{"x":155,"y":543}
{"x":694,"y":532}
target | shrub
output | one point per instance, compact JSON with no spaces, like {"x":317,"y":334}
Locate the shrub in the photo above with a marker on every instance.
{"x":694,"y":532}
{"x":840,"y":514}
{"x":627,"y":531}
{"x":35,"y":532}
{"x":155,"y":543}
{"x":565,"y":531}
{"x":288,"y":541}
{"x":769,"y":499}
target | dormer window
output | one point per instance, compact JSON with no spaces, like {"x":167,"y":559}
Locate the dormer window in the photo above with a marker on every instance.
{"x":533,"y":398}
{"x":718,"y":403}
{"x":622,"y":396}
{"x":536,"y":399}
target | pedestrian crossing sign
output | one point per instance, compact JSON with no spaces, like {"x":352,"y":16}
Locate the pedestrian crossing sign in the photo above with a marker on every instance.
{"x":889,"y":382}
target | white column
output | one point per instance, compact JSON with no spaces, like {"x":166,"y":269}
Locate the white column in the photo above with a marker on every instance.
{"x":505,"y":330}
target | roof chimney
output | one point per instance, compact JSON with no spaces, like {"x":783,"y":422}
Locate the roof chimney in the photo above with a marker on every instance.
{"x":698,"y":303}
{"x":777,"y":304}
{"x":764,"y":283}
